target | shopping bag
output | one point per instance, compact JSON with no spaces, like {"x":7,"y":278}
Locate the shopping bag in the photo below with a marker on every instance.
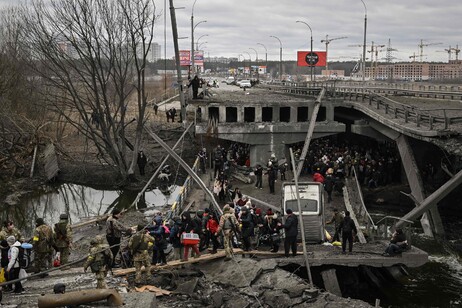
{"x":57,"y":260}
{"x":23,"y":274}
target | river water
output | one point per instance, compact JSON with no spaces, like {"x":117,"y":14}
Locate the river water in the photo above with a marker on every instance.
{"x":436,"y":284}
{"x":80,"y":202}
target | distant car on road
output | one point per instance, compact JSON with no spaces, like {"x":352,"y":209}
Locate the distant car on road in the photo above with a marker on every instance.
{"x":245,"y":84}
{"x":230,"y":80}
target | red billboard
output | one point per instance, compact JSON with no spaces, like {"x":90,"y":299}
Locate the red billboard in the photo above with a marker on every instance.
{"x":306,"y":58}
{"x":185,"y":58}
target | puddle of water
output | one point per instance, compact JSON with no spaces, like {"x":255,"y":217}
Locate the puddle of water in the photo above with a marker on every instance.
{"x":80,"y":202}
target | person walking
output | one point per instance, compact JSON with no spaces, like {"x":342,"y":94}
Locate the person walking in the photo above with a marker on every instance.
{"x":174,"y":238}
{"x":329,"y":182}
{"x":348,"y":231}
{"x":63,"y":238}
{"x":188,"y":225}
{"x":141,"y":161}
{"x":259,"y":175}
{"x":271,"y":177}
{"x":230,"y":226}
{"x":337,"y":219}
{"x":114,"y":231}
{"x":99,"y":260}
{"x":247,"y":228}
{"x":13,"y":268}
{"x":212,"y":228}
{"x":291,"y":229}
{"x":42,"y":243}
{"x":138,"y":246}
{"x":157,"y":231}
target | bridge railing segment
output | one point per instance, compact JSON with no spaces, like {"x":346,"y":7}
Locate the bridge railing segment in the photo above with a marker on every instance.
{"x":436,"y":118}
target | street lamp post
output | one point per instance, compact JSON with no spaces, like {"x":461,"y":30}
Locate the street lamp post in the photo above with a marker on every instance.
{"x":280,"y":56}
{"x":192,"y":39}
{"x":250,"y":62}
{"x":256,"y":60}
{"x":192,"y":44}
{"x":364,"y":44}
{"x":266,"y":54}
{"x":311,"y":49}
{"x":197,"y":42}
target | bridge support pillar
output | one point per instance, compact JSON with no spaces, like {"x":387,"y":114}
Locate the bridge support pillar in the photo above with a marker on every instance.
{"x":329,"y":278}
{"x":431,"y":220}
{"x":260,"y":153}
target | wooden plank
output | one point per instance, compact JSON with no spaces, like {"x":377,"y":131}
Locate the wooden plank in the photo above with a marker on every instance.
{"x":207,"y":257}
{"x":156,"y":290}
{"x":51,"y":162}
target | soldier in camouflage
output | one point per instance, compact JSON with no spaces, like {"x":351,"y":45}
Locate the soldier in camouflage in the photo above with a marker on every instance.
{"x":63,"y":238}
{"x":43,"y":243}
{"x":230,"y":226}
{"x":10,"y":230}
{"x":98,"y":260}
{"x":139,"y":245}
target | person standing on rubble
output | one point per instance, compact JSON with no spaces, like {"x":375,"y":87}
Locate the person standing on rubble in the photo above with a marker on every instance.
{"x":43,"y":243}
{"x":63,"y":238}
{"x":291,"y":229}
{"x":348,"y":232}
{"x":337,"y":219}
{"x":230,"y":226}
{"x":174,"y":238}
{"x":114,"y":230}
{"x":139,"y":245}
{"x":99,"y":260}
{"x":13,"y":268}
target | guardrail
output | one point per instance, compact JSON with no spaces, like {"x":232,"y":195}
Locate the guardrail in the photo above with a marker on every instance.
{"x":431,"y":118}
{"x":184,"y":192}
{"x":427,"y":117}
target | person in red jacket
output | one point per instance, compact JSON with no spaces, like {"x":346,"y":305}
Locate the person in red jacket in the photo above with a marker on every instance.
{"x":317,"y":177}
{"x":212,"y":227}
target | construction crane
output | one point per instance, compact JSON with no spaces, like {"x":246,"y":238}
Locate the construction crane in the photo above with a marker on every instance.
{"x":448,"y":51}
{"x":327,"y":41}
{"x":375,"y":51}
{"x":413,"y":57}
{"x":422,"y":45}
{"x":456,"y":51}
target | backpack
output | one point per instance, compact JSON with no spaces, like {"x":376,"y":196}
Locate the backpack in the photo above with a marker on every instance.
{"x":23,"y":258}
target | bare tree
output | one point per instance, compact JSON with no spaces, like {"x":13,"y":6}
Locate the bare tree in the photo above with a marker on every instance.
{"x":91,"y":57}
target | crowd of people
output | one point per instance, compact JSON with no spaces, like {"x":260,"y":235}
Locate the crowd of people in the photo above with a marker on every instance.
{"x":51,"y":246}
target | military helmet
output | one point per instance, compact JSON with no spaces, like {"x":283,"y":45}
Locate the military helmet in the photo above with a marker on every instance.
{"x":94,"y":241}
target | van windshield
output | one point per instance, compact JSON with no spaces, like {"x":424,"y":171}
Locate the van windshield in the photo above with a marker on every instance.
{"x":307,"y":205}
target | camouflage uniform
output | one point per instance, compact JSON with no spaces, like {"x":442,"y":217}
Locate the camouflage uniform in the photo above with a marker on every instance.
{"x":5,"y":233}
{"x":139,"y":245}
{"x":43,"y":242}
{"x":97,"y":261}
{"x":226,"y":219}
{"x":63,"y":238}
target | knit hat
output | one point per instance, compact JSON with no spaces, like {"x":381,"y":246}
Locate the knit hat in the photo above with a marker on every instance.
{"x":289,"y":211}
{"x":4,"y":244}
{"x":11,"y":240}
{"x":63,"y":216}
{"x":269,"y":212}
{"x":258,"y":211}
{"x":39,"y":221}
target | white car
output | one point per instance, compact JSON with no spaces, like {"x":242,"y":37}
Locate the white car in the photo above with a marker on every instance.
{"x":245,"y":84}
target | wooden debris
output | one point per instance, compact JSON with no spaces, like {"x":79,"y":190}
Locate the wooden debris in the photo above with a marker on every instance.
{"x":207,"y":257}
{"x":156,"y":290}
{"x":51,"y":162}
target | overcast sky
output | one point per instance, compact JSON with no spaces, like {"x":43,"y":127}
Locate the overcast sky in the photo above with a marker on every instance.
{"x":234,"y":26}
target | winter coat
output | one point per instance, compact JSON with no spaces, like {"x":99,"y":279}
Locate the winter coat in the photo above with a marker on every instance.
{"x":175,"y":235}
{"x":247,"y":224}
{"x":348,"y":225}
{"x":212,"y":225}
{"x":13,"y":255}
{"x":187,"y":224}
{"x":291,"y":226}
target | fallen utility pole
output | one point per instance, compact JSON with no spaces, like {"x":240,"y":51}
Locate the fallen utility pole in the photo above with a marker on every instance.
{"x":77,"y":298}
{"x":309,"y":134}
{"x":186,"y":167}
{"x":300,"y":221}
{"x":159,"y":168}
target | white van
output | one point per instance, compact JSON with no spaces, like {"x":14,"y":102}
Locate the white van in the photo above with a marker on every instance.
{"x":312,"y":206}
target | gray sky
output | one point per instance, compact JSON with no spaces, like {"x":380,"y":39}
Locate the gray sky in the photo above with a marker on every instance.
{"x":235,"y":26}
